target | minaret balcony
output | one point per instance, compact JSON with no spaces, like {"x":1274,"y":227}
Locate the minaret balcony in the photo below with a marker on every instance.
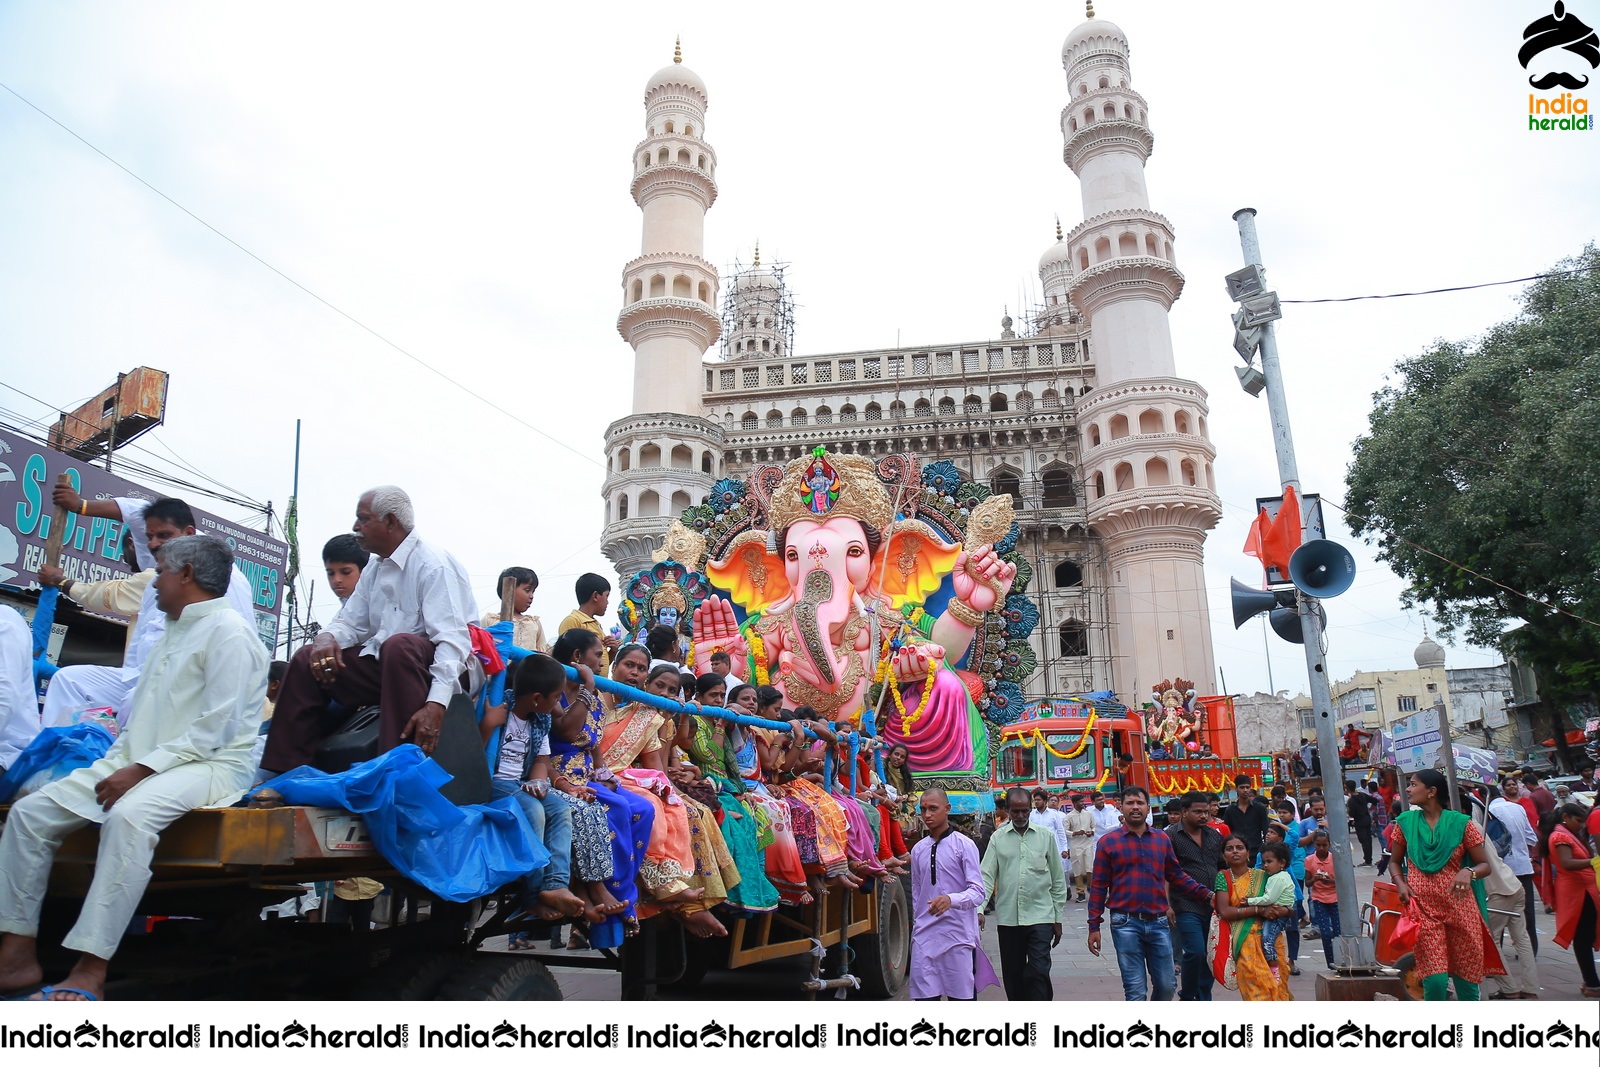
{"x":674,"y":179}
{"x":1107,"y":135}
{"x":1130,"y":278}
{"x":674,"y":315}
{"x":1184,"y":511}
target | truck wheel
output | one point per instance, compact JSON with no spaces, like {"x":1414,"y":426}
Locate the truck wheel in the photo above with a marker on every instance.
{"x":494,"y":977}
{"x":415,"y":976}
{"x":882,"y":958}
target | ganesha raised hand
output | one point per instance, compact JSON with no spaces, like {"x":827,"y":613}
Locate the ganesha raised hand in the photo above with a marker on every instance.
{"x":715,"y":627}
{"x":981,"y":578}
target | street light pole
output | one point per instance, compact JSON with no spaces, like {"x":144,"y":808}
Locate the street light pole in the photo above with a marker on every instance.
{"x":1353,"y":952}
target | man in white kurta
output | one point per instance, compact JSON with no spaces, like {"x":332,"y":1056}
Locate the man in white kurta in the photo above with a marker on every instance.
{"x":19,"y":706}
{"x":196,"y":712}
{"x":150,"y":526}
{"x":1080,"y":843}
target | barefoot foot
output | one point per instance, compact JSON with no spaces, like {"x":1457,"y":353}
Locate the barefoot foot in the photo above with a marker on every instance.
{"x":562,"y":900}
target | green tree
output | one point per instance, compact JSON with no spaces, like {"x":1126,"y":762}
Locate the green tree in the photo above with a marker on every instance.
{"x":1488,"y":454}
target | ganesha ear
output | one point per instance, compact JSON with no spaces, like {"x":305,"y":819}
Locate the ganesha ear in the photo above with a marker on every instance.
{"x":753,"y":577}
{"x":915,"y":562}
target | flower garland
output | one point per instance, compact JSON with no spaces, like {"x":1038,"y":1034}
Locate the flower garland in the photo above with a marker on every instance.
{"x":758,"y":653}
{"x":1215,"y":783}
{"x":885,"y":676}
{"x":1083,"y":741}
{"x":1103,"y":776}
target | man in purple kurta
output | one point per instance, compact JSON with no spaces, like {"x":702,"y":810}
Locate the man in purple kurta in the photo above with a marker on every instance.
{"x":947,"y":959}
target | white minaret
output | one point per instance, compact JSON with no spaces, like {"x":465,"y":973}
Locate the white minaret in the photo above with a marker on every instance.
{"x":660,"y":462}
{"x":1146,"y":456}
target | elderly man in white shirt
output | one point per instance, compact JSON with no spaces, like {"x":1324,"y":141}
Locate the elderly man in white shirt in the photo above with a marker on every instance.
{"x":151,"y":524}
{"x":400,"y":642}
{"x":19,"y":706}
{"x":187,"y":745}
{"x":1524,"y":845}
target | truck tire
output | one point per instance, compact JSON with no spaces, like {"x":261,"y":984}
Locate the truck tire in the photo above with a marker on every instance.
{"x":883,"y":958}
{"x":495,"y":977}
{"x":414,"y":976}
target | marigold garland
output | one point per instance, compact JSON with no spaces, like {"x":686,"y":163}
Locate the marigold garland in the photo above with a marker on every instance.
{"x":758,"y":652}
{"x":1103,"y":776}
{"x":1215,"y":783}
{"x":1038,"y":735}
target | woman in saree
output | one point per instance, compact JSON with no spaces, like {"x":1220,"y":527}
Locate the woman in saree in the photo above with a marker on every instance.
{"x":1439,"y":863}
{"x":1567,"y":883}
{"x":1240,"y":932}
{"x":631,"y":748}
{"x":591,"y":788}
{"x":822,"y":829}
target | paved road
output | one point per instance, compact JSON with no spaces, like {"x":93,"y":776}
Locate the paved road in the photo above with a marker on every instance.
{"x":1077,"y":975}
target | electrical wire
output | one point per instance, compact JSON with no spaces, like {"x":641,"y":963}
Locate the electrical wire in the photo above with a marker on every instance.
{"x":1431,"y":292}
{"x":330,"y":305}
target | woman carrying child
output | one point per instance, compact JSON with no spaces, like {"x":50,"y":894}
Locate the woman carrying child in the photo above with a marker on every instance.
{"x":1236,"y":883}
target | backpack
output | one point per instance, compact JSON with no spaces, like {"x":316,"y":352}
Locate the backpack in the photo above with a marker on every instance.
{"x":1498,"y":836}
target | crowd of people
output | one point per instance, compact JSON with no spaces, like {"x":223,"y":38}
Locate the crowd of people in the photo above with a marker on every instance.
{"x":696,"y":817}
{"x":641,"y":812}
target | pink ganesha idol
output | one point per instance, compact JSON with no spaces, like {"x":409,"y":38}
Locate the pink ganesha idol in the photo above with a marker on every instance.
{"x":832,"y":611}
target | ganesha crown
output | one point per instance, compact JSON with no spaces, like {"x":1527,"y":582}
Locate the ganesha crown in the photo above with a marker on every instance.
{"x":824,"y":484}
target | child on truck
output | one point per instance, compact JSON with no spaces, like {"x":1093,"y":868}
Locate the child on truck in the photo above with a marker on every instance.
{"x":518,"y":735}
{"x":343,"y":559}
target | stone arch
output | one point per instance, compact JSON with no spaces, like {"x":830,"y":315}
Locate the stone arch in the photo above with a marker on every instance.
{"x":680,"y":501}
{"x":873,"y":413}
{"x":1189,"y":475}
{"x":705,"y":293}
{"x":897,"y":411}
{"x":998,"y":402}
{"x":1118,"y":427}
{"x":1059,"y":490}
{"x":1105,"y":82}
{"x":668,"y":127}
{"x":624,"y":458}
{"x":701,"y":161}
{"x":1156,"y":471}
{"x":688,"y":131}
{"x":1074,"y":638}
{"x":1102,"y":249}
{"x":658,"y":286}
{"x":1007,"y":479}
{"x":1127,"y":112}
{"x":774,"y":419}
{"x":947,"y":405}
{"x":1210,"y":482}
{"x":1088,"y":117}
{"x":684,"y":157}
{"x":682,"y":287}
{"x":749,"y":421}
{"x":847,"y":413}
{"x":1150,"y":247}
{"x":1152,"y":421}
{"x":650,"y":455}
{"x":649,"y":504}
{"x":922,"y":409}
{"x":638,"y":290}
{"x":708,"y":462}
{"x":1180,"y":421}
{"x":1068,"y":575}
{"x":1051,"y":399}
{"x":824,"y":415}
{"x":1099,"y":484}
{"x":1024,"y":401}
{"x":972,"y":405}
{"x":683,"y":457}
{"x":644,"y":160}
{"x":797,"y":417}
{"x":1127,"y":244}
{"x":1200,"y":421}
{"x":1122,"y":475}
{"x":1083,"y":259}
{"x":622,"y":506}
{"x":1094,"y":435}
{"x":663,"y":155}
{"x":1109,"y":111}
{"x":1167,"y":247}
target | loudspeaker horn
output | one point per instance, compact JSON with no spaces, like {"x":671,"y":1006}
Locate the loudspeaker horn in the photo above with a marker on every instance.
{"x":1322,"y":568}
{"x":1248,"y":602}
{"x":1285,"y":623}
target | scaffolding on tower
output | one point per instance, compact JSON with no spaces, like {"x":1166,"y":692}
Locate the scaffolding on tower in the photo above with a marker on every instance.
{"x":758,"y":311}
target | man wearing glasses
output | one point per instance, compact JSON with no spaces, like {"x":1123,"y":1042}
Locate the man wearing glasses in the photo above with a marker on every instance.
{"x":947,"y":961}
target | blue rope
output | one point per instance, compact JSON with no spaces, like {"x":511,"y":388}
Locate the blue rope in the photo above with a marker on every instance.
{"x":676,"y":707}
{"x":855,"y":747}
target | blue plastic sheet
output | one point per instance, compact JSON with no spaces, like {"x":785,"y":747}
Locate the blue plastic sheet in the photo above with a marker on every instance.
{"x":456,"y":853}
{"x":44,"y":616}
{"x":54,"y":753}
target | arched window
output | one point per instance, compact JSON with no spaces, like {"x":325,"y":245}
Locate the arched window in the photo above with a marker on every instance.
{"x":662,"y":156}
{"x":847,"y":413}
{"x":1068,"y":575}
{"x":897,"y":411}
{"x":774,"y":420}
{"x":681,"y":286}
{"x":1024,"y":401}
{"x":947,"y":406}
{"x":1051,"y":399}
{"x":683,"y":457}
{"x":972,"y":405}
{"x":1119,"y":427}
{"x":1059,"y":491}
{"x":874,"y":413}
{"x":997,"y":402}
{"x":1156,"y":472}
{"x":1102,"y":250}
{"x":1150,"y":247}
{"x":649,"y":504}
{"x":749,"y":422}
{"x":1180,"y":421}
{"x":622,"y":507}
{"x":658,"y":286}
{"x":649,"y":456}
{"x":1150,"y":421}
{"x":1094,"y":435}
{"x":624,"y":459}
{"x":688,"y":131}
{"x":669,"y":126}
{"x":797,"y":417}
{"x":1099,"y":484}
{"x":1005,"y":480}
{"x":824,"y":415}
{"x":707,"y":464}
{"x":683,"y":156}
{"x":680,"y":501}
{"x":638,"y":290}
{"x":1074,"y":638}
{"x":705,"y":293}
{"x":1127,"y":243}
{"x":922,"y":409}
{"x":1189,"y":477}
{"x":1123,"y":474}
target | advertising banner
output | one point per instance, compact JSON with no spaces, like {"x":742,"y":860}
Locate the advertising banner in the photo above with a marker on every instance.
{"x":91,"y":547}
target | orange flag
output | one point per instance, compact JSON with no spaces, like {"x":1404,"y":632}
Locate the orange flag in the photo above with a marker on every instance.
{"x":1284,"y":535}
{"x":1258,"y":529}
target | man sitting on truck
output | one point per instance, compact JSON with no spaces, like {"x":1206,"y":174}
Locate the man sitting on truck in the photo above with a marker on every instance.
{"x":188,"y":744}
{"x":400,"y":642}
{"x":151,"y":524}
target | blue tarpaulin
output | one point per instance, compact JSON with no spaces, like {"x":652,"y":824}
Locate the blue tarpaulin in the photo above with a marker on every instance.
{"x":455,"y":852}
{"x":55,"y":752}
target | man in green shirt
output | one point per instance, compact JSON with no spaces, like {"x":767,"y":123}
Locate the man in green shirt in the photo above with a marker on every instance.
{"x":1022,"y":869}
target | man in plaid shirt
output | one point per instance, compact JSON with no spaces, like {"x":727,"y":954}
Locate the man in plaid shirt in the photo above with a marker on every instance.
{"x":1133,"y":865}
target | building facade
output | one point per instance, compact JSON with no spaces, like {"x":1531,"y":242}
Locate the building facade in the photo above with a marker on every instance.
{"x":1081,"y":415}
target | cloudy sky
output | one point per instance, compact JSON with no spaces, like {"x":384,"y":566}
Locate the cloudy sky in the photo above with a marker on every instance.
{"x":456,"y":181}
